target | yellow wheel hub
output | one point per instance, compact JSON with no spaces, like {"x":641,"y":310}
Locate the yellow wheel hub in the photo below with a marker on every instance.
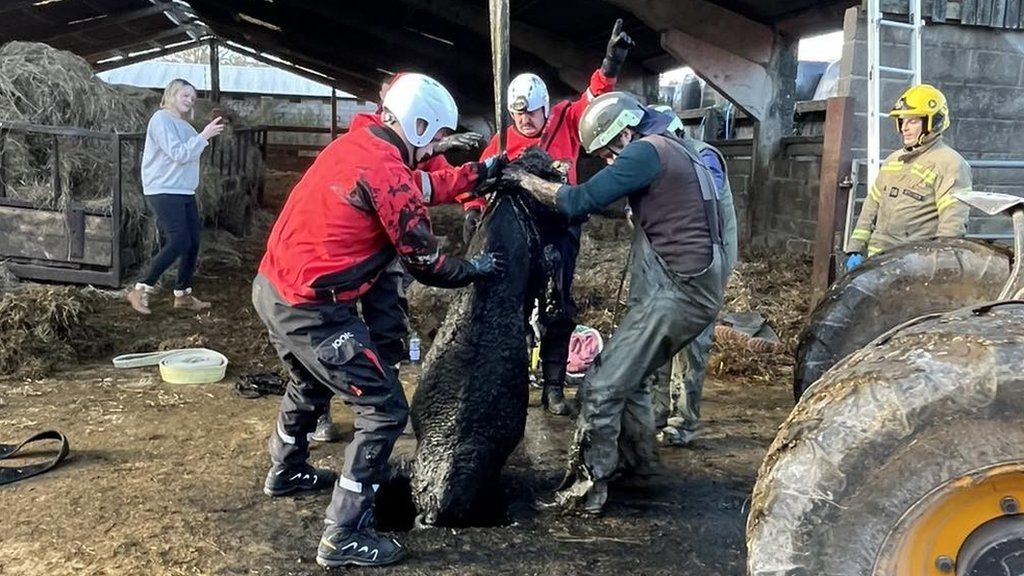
{"x":959,"y":527}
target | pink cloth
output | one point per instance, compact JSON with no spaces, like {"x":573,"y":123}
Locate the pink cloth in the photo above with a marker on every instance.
{"x":584,"y":346}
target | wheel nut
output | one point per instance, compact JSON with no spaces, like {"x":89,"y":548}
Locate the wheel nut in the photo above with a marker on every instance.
{"x":944,"y":564}
{"x":1009,"y":505}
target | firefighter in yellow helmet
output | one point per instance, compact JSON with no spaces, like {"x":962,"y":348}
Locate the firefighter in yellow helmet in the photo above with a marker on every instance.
{"x":912,"y":197}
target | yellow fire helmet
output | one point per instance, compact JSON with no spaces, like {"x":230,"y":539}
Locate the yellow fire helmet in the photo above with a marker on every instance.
{"x":926,"y":101}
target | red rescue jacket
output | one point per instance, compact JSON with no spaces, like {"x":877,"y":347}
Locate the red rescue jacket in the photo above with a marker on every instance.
{"x":441,"y":182}
{"x":560,"y":137}
{"x":356,"y":208}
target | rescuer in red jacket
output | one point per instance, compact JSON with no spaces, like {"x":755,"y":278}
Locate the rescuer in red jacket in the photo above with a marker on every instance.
{"x":357,"y":209}
{"x":386,"y":313}
{"x":556,"y":130}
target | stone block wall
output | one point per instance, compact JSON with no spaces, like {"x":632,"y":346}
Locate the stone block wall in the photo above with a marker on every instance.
{"x":790,"y":224}
{"x":738,"y":159}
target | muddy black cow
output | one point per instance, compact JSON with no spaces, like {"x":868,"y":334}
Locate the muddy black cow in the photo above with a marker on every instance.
{"x":469,"y":410}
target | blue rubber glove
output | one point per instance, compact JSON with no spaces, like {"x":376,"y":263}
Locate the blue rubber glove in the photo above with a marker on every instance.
{"x":853,"y":259}
{"x":487,"y":265}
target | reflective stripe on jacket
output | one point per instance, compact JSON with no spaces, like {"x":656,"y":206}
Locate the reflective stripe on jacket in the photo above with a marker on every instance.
{"x":912,"y":199}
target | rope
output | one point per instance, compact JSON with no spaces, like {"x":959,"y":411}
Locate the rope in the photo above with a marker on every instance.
{"x":182,"y":366}
{"x":622,"y":284}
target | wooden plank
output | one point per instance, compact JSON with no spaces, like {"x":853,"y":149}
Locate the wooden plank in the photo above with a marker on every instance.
{"x":999,"y":13}
{"x":3,"y":141}
{"x":985,"y":12}
{"x":938,"y":10}
{"x":835,"y":165}
{"x":1012,"y":19}
{"x":23,"y":128}
{"x":969,"y":12}
{"x":111,"y":19}
{"x":334,"y":113}
{"x":214,"y":71}
{"x":65,"y":275}
{"x":110,"y":65}
{"x":42,"y":235}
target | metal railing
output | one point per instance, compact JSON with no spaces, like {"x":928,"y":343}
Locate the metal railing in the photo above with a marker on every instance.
{"x":859,"y":188}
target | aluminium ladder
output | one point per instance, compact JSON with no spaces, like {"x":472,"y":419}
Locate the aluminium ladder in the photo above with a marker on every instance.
{"x":875,"y":69}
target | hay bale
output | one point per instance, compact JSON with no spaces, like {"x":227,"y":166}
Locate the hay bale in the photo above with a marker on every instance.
{"x":42,"y":328}
{"x":43,"y":85}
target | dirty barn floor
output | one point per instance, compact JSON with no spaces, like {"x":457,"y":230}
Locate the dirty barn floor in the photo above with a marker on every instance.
{"x":166,"y":479}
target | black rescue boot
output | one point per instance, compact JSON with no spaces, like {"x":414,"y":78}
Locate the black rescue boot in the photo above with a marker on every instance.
{"x":282,"y":480}
{"x":553,"y":399}
{"x":359,"y":546}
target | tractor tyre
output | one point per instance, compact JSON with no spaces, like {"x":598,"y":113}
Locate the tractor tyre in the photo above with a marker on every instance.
{"x":907,"y":458}
{"x":891,"y":288}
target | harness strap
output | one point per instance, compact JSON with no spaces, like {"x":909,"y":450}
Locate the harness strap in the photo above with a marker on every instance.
{"x":12,"y":474}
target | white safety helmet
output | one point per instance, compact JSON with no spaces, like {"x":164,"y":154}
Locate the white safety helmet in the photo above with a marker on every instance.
{"x":526,"y":93}
{"x":413,"y":97}
{"x":676,"y":125}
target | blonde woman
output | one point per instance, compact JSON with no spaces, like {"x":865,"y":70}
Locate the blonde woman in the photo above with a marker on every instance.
{"x":170,"y":176}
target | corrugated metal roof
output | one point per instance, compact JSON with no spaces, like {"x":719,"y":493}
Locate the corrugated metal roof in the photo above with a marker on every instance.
{"x":233,"y":79}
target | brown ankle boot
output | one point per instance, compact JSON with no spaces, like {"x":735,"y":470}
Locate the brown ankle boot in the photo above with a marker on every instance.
{"x":185,"y":299}
{"x":138,"y":297}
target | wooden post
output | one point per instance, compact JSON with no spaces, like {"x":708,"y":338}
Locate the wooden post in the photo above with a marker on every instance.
{"x":3,"y":140}
{"x":214,"y":71}
{"x":835,"y":166}
{"x":115,"y":213}
{"x":56,"y":171}
{"x":334,"y":113}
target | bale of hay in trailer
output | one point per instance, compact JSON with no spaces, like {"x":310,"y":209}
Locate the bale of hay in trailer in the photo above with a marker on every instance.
{"x":42,"y":85}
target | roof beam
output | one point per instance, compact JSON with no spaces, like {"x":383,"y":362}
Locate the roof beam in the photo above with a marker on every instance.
{"x":110,"y":65}
{"x":432,"y":55}
{"x":341,"y":55}
{"x":707,"y":22}
{"x":87,"y":26}
{"x":573,"y":64}
{"x":747,"y":84}
{"x":358,"y":82}
{"x":820,"y":18}
{"x":136,"y":44}
{"x":12,"y":5}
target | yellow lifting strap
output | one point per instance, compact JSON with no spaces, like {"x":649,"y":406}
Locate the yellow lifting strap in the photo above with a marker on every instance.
{"x":182,"y":366}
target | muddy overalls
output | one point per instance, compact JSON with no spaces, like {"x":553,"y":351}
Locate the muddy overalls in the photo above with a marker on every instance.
{"x":675,"y":293}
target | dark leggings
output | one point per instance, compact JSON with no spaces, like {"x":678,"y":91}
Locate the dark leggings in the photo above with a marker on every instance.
{"x":177,"y":219}
{"x":558,"y":328}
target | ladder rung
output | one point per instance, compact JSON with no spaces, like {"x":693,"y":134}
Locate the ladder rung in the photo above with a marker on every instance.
{"x":896,"y":70}
{"x":896,"y":24}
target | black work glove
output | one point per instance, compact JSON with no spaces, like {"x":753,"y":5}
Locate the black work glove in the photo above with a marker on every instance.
{"x":618,"y":47}
{"x":542,"y":190}
{"x":487,"y":265}
{"x":470,"y":224}
{"x":461,"y":141}
{"x":490,"y":171}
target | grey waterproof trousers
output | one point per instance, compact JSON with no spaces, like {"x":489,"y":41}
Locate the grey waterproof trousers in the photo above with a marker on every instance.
{"x":328,"y":350}
{"x":665,"y":313}
{"x":678,"y":385}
